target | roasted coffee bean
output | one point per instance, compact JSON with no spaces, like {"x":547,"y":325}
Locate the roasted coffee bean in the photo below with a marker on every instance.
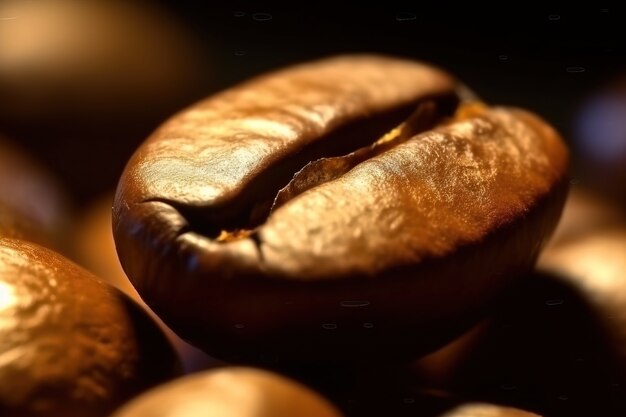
{"x":486,"y":410}
{"x":241,"y":392}
{"x":593,"y":263}
{"x":336,"y":210}
{"x":71,"y":345}
{"x":249,"y":392}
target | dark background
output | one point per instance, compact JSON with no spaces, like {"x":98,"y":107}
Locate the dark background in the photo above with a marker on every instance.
{"x":548,"y":60}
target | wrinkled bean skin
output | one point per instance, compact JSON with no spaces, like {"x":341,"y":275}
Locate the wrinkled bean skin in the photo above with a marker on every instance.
{"x":395,"y":253}
{"x":71,"y":345}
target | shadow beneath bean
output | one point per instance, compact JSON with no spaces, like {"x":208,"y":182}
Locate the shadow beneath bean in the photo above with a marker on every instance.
{"x":157,"y":358}
{"x":546,"y":351}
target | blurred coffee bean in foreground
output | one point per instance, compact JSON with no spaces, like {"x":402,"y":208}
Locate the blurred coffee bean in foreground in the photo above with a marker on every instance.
{"x":236,"y":391}
{"x":83,"y":82}
{"x":250,"y":392}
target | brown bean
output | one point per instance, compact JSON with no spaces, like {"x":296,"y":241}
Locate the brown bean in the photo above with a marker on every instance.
{"x":249,"y":392}
{"x":486,"y":410}
{"x":71,"y":345}
{"x":79,"y":79}
{"x":241,"y":392}
{"x":335,"y":210}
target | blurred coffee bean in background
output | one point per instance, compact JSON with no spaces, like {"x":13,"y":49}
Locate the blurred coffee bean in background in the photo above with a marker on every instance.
{"x":33,"y":204}
{"x":600,"y":140}
{"x":82,"y":83}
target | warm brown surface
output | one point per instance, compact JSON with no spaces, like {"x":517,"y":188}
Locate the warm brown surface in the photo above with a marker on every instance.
{"x":240,"y":392}
{"x":32,"y":204}
{"x":407,"y":242}
{"x":94,"y":249}
{"x":70,"y":345}
{"x":486,"y":410}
